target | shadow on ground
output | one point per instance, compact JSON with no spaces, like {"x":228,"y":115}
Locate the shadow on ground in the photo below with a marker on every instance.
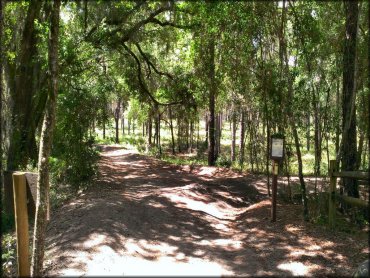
{"x":146,"y":217}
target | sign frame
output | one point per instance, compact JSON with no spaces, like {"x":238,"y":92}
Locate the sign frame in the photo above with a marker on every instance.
{"x":279,"y":141}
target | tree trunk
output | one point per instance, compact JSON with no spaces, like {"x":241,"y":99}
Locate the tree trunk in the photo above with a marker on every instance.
{"x":159,"y":133}
{"x":349,"y":142}
{"x":150,"y":130}
{"x":23,"y":122}
{"x":317,"y":137}
{"x":212,"y":97}
{"x":219,"y":128}
{"x":337,"y":126}
{"x":198,"y":137}
{"x":233,"y":133}
{"x":268,"y":157}
{"x":179,"y":134}
{"x":206,"y":128}
{"x":242,"y":138}
{"x":217,"y":136}
{"x":1,"y":91}
{"x":171,"y":128}
{"x":45,"y":148}
{"x":191,"y":135}
{"x":300,"y":170}
{"x":116,"y":119}
{"x":308,"y":131}
{"x":360,"y":149}
{"x":123,"y":123}
{"x":103,"y":128}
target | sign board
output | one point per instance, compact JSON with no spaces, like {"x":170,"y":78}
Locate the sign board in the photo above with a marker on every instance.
{"x":277,"y":148}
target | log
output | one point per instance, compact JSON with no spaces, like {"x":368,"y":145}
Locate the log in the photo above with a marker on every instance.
{"x":353,"y":201}
{"x":352,"y":174}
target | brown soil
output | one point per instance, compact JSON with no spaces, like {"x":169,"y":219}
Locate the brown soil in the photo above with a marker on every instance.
{"x":147,"y":217}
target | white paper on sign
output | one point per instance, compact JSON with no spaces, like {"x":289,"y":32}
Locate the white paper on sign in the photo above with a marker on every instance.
{"x":277,"y":147}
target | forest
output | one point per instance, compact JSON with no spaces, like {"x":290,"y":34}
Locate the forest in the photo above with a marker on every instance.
{"x":149,"y":99}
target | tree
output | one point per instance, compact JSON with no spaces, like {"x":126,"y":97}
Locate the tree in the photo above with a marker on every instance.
{"x":1,"y":90}
{"x":24,"y":94}
{"x":212,"y":96}
{"x":349,"y":134}
{"x":45,"y":147}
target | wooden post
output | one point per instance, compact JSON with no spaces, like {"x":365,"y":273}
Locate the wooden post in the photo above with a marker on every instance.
{"x":21,"y":223}
{"x":274,"y":190}
{"x":332,"y":188}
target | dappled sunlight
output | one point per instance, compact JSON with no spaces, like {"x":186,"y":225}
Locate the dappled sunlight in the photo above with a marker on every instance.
{"x":226,"y":244}
{"x":296,"y":268}
{"x":145,"y":217}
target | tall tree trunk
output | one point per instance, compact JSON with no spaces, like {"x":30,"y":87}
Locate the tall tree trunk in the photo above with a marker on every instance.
{"x":300,"y":171}
{"x":159,"y":133}
{"x":103,"y":128}
{"x":212,"y":100}
{"x":308,"y":120}
{"x":179,"y":134}
{"x":317,"y":136}
{"x":198,"y":136}
{"x":45,"y":148}
{"x":187,"y":134}
{"x":206,"y":128}
{"x":1,"y":91}
{"x":149,"y":133}
{"x":116,"y":119}
{"x":349,"y":138}
{"x":191,"y":135}
{"x":242,"y":138}
{"x":171,"y":128}
{"x":268,"y":157}
{"x":360,"y":149}
{"x":337,"y":126}
{"x":217,"y":136}
{"x":22,"y":121}
{"x":233,"y":133}
{"x":219,"y":128}
{"x":123,"y":122}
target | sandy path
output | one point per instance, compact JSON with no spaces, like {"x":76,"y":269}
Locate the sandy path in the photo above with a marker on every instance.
{"x":145,"y":217}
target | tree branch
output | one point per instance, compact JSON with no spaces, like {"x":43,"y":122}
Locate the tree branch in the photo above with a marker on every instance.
{"x":168,"y":23}
{"x":142,"y":82}
{"x":151,"y":64}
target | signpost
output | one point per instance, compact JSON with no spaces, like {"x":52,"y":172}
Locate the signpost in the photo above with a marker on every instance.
{"x":276,"y":154}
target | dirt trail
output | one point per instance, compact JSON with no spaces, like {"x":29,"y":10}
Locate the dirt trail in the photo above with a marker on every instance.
{"x":145,"y":217}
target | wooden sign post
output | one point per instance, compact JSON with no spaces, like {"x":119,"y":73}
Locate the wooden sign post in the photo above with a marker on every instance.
{"x":21,"y":223}
{"x":276,"y":154}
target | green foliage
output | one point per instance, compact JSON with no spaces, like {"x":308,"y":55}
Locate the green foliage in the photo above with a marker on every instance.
{"x":7,"y":222}
{"x":74,"y":154}
{"x":8,"y":254}
{"x":223,"y":161}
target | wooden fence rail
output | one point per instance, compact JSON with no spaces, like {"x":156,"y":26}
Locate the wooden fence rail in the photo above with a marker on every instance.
{"x":333,"y":175}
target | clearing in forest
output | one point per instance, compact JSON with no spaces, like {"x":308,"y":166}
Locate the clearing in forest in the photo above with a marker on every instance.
{"x":146,"y":217}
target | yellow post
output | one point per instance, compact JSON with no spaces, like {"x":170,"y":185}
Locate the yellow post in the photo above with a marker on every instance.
{"x":332,"y":188}
{"x":21,"y":223}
